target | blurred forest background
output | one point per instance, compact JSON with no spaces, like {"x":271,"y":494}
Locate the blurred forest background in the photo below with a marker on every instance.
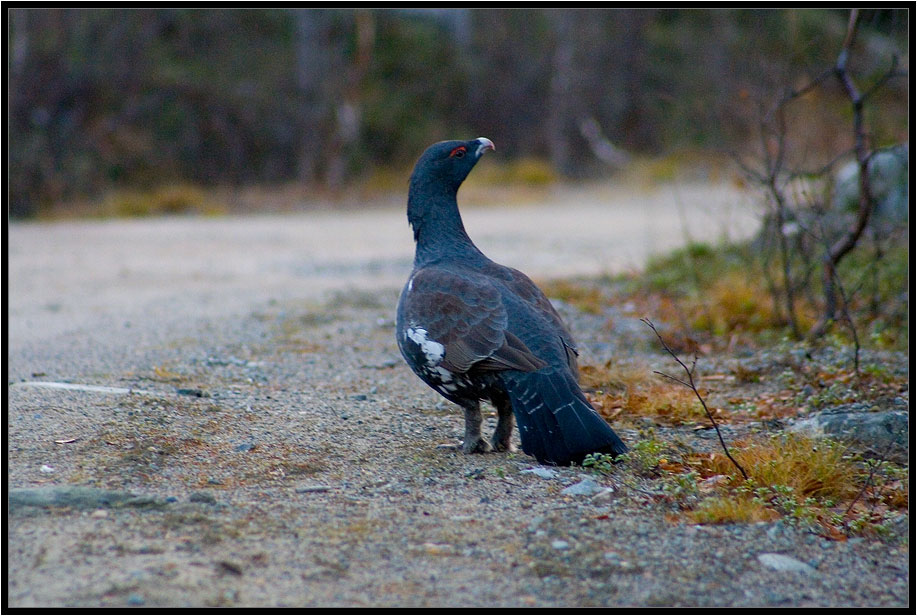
{"x":102,"y":100}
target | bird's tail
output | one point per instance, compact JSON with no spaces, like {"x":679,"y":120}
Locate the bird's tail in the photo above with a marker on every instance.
{"x":556,"y":422}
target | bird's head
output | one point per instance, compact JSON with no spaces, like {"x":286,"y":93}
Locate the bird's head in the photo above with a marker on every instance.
{"x":446,"y":164}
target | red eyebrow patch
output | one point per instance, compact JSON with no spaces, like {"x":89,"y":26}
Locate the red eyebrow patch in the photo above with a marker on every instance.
{"x":459,"y":150}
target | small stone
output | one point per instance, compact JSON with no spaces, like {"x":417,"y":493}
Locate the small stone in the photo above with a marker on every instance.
{"x":312,"y":489}
{"x":560,"y":544}
{"x":437,"y":548}
{"x":586,"y":487}
{"x":99,"y":513}
{"x":604,"y":496}
{"x":193,"y":392}
{"x":47,"y":470}
{"x":544,"y":473}
{"x":780,"y":562}
{"x":203,"y":497}
{"x":135,"y":600}
{"x":536,"y":521}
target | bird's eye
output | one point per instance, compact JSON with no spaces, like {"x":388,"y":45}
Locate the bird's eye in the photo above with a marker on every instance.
{"x":458,"y":152}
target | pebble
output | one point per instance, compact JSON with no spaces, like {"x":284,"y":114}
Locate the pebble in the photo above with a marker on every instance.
{"x":312,"y":489}
{"x":780,"y":562}
{"x":544,"y":473}
{"x":136,"y":600}
{"x":586,"y":487}
{"x":535,"y":523}
{"x":437,"y":548}
{"x":560,"y":544}
{"x":196,"y":393}
{"x":203,"y":497}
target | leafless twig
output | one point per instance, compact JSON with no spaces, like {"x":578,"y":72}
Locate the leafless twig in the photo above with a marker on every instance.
{"x":864,"y":153}
{"x":873,"y":468}
{"x":691,"y":385}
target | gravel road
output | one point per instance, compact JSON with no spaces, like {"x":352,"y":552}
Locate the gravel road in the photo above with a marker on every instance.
{"x":213,"y":412}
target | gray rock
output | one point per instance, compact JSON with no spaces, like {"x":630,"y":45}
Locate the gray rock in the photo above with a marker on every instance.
{"x":586,"y":487}
{"x":605,"y":495}
{"x":779,"y":562}
{"x":544,"y":473}
{"x":78,"y":497}
{"x":135,"y":600}
{"x":203,"y":497}
{"x":888,"y":174}
{"x":883,"y":433}
{"x":313,"y":489}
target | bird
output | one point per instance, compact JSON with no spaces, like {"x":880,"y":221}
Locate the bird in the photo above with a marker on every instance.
{"x":474,"y":330}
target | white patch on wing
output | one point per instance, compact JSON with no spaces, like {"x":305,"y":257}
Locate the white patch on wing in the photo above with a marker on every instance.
{"x":432,"y":350}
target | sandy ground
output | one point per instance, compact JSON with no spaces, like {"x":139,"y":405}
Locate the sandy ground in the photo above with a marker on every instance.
{"x":77,"y":275}
{"x":283,"y":454}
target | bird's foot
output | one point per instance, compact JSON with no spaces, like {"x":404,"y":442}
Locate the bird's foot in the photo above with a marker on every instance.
{"x":476,"y":445}
{"x":501,"y":446}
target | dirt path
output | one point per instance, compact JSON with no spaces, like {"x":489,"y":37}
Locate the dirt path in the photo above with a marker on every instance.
{"x":278,"y":453}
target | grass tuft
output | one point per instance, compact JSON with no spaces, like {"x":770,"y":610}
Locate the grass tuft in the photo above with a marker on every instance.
{"x":169,"y":199}
{"x":633,"y":391}
{"x":725,"y":510}
{"x":819,"y":469}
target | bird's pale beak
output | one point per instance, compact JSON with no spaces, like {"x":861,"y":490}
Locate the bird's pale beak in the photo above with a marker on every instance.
{"x":484,"y":144}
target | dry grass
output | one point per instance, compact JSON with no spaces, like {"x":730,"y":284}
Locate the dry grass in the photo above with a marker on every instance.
{"x":633,"y":390}
{"x":788,"y":476}
{"x":164,"y":200}
{"x":819,"y":469}
{"x":589,"y":299}
{"x":724,"y":510}
{"x":734,"y":302}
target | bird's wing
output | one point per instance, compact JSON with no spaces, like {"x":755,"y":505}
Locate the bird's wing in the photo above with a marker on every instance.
{"x":529,"y":292}
{"x":464,"y":313}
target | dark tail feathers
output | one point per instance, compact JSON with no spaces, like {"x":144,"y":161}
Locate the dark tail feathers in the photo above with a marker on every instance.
{"x":556,"y":422}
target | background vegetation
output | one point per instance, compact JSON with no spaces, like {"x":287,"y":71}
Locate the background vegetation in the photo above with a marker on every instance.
{"x":103,"y":99}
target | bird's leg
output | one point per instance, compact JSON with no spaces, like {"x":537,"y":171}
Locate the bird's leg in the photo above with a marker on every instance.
{"x":474,"y":442}
{"x":503,"y":433}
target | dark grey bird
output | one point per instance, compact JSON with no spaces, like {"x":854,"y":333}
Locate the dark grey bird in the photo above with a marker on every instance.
{"x":475,"y":330}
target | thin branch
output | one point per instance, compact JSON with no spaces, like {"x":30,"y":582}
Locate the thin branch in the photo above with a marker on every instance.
{"x":795,"y":175}
{"x":874,"y":466}
{"x":837,"y":251}
{"x":691,"y":385}
{"x":845,"y":312}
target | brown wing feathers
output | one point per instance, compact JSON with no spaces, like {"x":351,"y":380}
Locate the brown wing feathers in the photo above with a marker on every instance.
{"x":469,"y":320}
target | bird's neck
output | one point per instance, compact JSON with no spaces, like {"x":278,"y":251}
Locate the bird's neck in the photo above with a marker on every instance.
{"x":438,"y":229}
